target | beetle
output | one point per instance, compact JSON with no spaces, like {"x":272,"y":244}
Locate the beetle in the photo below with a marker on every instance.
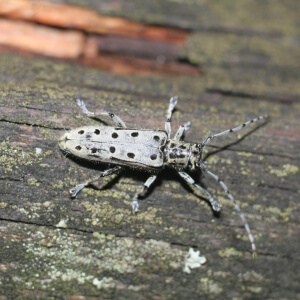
{"x":147,"y":149}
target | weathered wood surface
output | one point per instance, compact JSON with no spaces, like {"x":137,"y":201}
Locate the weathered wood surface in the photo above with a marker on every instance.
{"x":54,"y":247}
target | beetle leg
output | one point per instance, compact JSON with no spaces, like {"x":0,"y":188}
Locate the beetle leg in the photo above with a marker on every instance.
{"x":214,"y":204}
{"x":118,"y":121}
{"x":172,"y":104}
{"x":147,"y":184}
{"x":181,"y":130}
{"x":75,"y":190}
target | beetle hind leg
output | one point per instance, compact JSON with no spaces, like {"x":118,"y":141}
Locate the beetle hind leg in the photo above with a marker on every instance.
{"x":75,"y":190}
{"x":147,"y":184}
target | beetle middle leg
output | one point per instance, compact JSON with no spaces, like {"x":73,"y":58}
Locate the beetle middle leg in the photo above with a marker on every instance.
{"x":214,"y":204}
{"x":75,"y":190}
{"x":117,"y":120}
{"x":147,"y":184}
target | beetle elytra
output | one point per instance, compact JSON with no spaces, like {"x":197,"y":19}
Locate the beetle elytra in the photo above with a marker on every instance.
{"x":149,"y":149}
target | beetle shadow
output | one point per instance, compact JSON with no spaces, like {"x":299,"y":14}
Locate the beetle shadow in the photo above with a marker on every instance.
{"x":133,"y":173}
{"x":168,"y":175}
{"x":102,"y":186}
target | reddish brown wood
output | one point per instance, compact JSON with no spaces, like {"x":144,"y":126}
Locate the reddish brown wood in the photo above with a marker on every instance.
{"x":40,"y":39}
{"x":68,"y":16}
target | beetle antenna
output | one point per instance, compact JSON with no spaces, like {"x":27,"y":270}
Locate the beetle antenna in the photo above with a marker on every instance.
{"x":236,"y":206}
{"x":211,"y":137}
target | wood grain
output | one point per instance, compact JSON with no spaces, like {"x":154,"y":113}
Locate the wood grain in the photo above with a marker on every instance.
{"x":55,"y":247}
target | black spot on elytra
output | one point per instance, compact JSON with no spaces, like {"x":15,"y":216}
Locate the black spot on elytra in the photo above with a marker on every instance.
{"x":81,"y":132}
{"x":153,"y":156}
{"x":112,"y":149}
{"x":78,"y":147}
{"x":94,"y":150}
{"x":172,"y":155}
{"x":134,"y":134}
{"x":130,"y":155}
{"x":97,"y":131}
{"x":114,"y":135}
{"x":156,"y":138}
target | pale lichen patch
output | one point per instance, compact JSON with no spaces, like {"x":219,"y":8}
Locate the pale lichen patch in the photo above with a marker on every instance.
{"x":33,"y":181}
{"x":245,"y":171}
{"x":193,"y":260}
{"x":3,"y":204}
{"x":12,"y":156}
{"x":210,"y":286}
{"x":62,"y":223}
{"x":275,"y":214}
{"x":214,"y":160}
{"x":229,"y":252}
{"x":254,"y":289}
{"x":103,"y":213}
{"x":175,"y":230}
{"x":286,"y":170}
{"x":251,"y":276}
{"x":246,"y":154}
{"x":104,"y":283}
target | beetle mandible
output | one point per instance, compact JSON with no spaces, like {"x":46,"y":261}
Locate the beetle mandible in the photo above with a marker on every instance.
{"x":147,"y":149}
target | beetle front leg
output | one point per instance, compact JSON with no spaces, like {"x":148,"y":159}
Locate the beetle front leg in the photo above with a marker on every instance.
{"x":147,"y":184}
{"x":118,"y":121}
{"x":172,"y":104}
{"x":75,"y":190}
{"x":214,"y":204}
